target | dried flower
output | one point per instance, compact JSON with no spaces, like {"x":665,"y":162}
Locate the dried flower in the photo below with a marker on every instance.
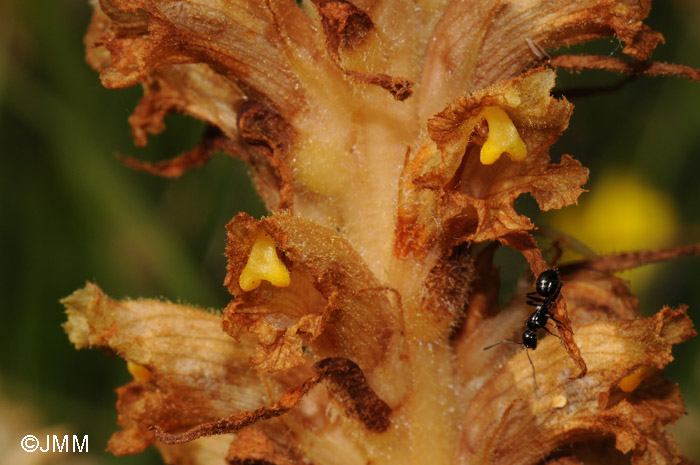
{"x":374,"y":131}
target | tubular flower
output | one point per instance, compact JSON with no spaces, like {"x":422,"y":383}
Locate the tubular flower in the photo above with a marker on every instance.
{"x":375,"y":132}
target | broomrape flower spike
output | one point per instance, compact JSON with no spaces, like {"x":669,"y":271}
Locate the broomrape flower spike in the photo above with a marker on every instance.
{"x":363,"y":125}
{"x":502,"y":137}
{"x":263,"y":265}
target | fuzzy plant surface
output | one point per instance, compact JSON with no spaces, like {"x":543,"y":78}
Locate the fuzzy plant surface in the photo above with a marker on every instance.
{"x":389,"y":140}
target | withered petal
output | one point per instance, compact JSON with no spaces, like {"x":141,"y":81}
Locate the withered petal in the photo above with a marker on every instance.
{"x":628,"y":260}
{"x":209,"y":83}
{"x":482,"y":301}
{"x":590,"y":452}
{"x":198,"y":372}
{"x":566,"y":336}
{"x":445,"y":291}
{"x":239,"y":40}
{"x":477,"y":43}
{"x":204,"y":451}
{"x":253,"y":447}
{"x":212,"y":141}
{"x":281,"y":339}
{"x":597,"y":296}
{"x":345,"y":381}
{"x":507,"y":412}
{"x":346,"y":28}
{"x":194,"y":89}
{"x":652,"y":68}
{"x":450,"y":196}
{"x":270,"y":137}
{"x":237,"y":421}
{"x":524,"y":243}
{"x":334,"y":304}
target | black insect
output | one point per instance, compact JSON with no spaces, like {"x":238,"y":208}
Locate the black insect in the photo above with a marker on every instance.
{"x":547,"y":288}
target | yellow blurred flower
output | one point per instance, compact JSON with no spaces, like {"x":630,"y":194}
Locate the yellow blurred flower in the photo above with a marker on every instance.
{"x":622,"y":212}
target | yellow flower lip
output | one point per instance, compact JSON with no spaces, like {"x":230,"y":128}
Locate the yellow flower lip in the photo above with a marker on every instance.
{"x":632,"y":381}
{"x":263,"y":265}
{"x":139,"y":372}
{"x":502,"y":137}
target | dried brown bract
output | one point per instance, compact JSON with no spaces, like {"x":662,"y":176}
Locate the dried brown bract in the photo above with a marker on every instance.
{"x":389,"y":140}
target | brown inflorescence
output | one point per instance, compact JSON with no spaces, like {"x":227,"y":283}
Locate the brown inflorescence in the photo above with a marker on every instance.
{"x":375,"y":131}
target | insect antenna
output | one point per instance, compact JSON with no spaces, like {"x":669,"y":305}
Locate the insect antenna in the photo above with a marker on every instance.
{"x":534,"y":380}
{"x":502,"y":340}
{"x":527,"y":352}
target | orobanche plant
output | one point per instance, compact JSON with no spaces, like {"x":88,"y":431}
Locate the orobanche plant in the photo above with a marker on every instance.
{"x":389,"y":140}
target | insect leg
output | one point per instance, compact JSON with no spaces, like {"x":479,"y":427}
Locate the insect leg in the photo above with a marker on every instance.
{"x":547,"y":329}
{"x":536,"y":303}
{"x":551,"y":317}
{"x":535,"y":297}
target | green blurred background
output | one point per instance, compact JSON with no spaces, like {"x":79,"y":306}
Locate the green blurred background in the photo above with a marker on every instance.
{"x":70,"y":212}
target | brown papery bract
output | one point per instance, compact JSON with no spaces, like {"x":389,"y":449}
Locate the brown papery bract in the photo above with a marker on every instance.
{"x":389,"y":141}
